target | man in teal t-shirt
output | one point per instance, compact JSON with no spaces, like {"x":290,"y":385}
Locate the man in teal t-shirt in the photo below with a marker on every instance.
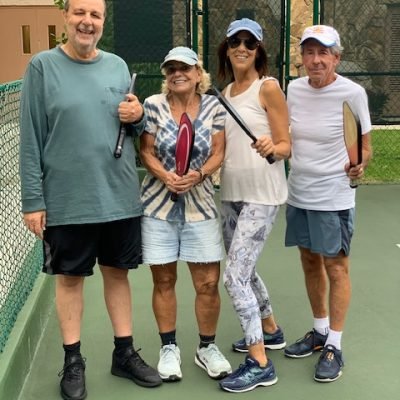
{"x":76,"y":196}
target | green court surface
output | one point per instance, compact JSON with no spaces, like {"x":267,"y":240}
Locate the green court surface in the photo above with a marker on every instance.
{"x":370,"y":341}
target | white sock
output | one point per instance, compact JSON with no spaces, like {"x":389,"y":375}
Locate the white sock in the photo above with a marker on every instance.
{"x":321,"y":325}
{"x":334,"y":339}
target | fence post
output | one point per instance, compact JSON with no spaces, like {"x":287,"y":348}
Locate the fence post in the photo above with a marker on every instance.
{"x":188,"y":25}
{"x":316,"y":19}
{"x":195,"y":26}
{"x":287,"y":44}
{"x":205,"y":34}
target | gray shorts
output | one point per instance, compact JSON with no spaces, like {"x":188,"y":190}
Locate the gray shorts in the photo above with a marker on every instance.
{"x":323,"y":232}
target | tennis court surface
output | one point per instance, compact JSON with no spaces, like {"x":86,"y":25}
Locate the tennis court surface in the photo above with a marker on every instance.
{"x":370,"y":342}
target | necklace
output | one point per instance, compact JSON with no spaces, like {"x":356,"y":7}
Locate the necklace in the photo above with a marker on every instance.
{"x":190,"y":107}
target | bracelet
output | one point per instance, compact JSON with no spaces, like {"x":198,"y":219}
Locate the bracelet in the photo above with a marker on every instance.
{"x":202,"y":174}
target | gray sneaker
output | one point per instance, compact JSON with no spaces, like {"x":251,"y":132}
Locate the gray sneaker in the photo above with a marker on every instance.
{"x":213,"y":361}
{"x":169,"y":366}
{"x":307,"y":345}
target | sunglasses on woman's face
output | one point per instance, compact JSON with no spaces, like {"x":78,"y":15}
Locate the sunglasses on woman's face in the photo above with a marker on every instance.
{"x":171,"y":69}
{"x":251,"y":44}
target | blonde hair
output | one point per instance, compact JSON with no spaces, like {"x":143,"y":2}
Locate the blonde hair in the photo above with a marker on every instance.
{"x":201,"y":88}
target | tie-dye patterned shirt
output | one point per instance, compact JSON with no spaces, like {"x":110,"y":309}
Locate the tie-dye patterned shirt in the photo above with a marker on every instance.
{"x":197,"y":204}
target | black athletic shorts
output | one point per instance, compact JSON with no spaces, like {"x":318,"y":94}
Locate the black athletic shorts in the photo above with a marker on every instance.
{"x":75,"y":249}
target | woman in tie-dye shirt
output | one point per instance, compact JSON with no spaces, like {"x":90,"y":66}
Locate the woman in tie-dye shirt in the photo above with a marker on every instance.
{"x":187,"y":229}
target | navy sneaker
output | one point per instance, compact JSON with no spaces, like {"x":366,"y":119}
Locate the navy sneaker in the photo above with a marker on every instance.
{"x":329,"y":365}
{"x":272,"y":341}
{"x":248,"y":376}
{"x":311,"y":342}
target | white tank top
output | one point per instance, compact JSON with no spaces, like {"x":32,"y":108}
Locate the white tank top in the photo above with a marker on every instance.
{"x":245,"y":175}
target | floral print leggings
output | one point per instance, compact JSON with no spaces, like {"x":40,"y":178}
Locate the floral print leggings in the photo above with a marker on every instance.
{"x":245,"y":229}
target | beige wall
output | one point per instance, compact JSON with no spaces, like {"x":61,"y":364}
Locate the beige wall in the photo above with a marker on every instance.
{"x":26,"y":3}
{"x":13,"y":60}
{"x":301,"y":17}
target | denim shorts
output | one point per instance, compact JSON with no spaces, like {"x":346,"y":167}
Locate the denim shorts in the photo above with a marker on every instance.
{"x":323,"y":232}
{"x":165,"y":242}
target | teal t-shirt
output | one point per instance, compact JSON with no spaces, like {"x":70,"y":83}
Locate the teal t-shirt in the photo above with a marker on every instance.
{"x":69,"y":128}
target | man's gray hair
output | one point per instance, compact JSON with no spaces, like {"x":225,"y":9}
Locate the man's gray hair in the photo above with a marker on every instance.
{"x":335,"y":50}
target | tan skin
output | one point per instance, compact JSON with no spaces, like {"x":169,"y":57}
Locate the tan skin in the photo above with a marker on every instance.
{"x":320,"y":271}
{"x":183,"y":98}
{"x":84,"y":21}
{"x":278,"y":144}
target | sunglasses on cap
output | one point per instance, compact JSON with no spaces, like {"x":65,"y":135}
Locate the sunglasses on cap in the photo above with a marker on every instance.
{"x":171,"y":69}
{"x":250,"y":44}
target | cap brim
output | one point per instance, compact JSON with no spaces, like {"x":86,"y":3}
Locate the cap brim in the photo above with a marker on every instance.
{"x":324,"y":43}
{"x":234,"y":31}
{"x":184,"y":59}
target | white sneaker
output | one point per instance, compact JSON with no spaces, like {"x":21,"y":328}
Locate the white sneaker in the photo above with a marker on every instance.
{"x":169,"y":366}
{"x":213,"y":361}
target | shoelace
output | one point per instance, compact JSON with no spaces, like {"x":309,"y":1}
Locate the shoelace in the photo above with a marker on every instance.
{"x":331,"y":354}
{"x":169,"y":353}
{"x":73,"y":370}
{"x":215,"y":353}
{"x":238,"y":372}
{"x":137,"y":360}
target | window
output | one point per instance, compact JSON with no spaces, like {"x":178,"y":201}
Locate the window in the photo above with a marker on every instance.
{"x":26,"y":39}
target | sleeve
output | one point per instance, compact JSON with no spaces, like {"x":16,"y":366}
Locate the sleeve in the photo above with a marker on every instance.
{"x":33,"y":132}
{"x":139,"y":127}
{"x":363,"y":111}
{"x":150,"y":110}
{"x":219,"y":118}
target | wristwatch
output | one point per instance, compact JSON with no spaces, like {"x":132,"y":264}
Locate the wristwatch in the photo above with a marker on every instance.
{"x":203,"y":176}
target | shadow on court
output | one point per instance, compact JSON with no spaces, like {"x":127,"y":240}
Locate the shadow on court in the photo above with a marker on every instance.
{"x":370,"y":340}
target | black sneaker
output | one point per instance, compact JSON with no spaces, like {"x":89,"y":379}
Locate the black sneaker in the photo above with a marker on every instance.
{"x":272,"y":341}
{"x":311,"y":342}
{"x":329,"y":365}
{"x":133,"y":367}
{"x":72,"y":383}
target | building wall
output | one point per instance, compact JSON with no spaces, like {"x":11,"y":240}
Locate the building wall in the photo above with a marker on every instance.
{"x":38,"y":17}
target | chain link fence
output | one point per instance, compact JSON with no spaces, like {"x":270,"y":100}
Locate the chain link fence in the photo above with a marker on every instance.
{"x":20,"y":253}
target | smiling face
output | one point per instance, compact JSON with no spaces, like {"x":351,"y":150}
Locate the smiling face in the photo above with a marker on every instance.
{"x":241,"y":56}
{"x":84,"y":22}
{"x":320,"y":63}
{"x":181,"y":78}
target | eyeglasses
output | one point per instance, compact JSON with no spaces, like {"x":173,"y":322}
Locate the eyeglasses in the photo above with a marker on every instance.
{"x":234,"y":42}
{"x":171,"y":69}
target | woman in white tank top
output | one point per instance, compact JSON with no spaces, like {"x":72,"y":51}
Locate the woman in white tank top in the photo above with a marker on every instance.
{"x":251,"y":192}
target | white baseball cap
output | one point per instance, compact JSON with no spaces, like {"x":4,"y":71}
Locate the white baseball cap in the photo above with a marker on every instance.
{"x":326,"y":35}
